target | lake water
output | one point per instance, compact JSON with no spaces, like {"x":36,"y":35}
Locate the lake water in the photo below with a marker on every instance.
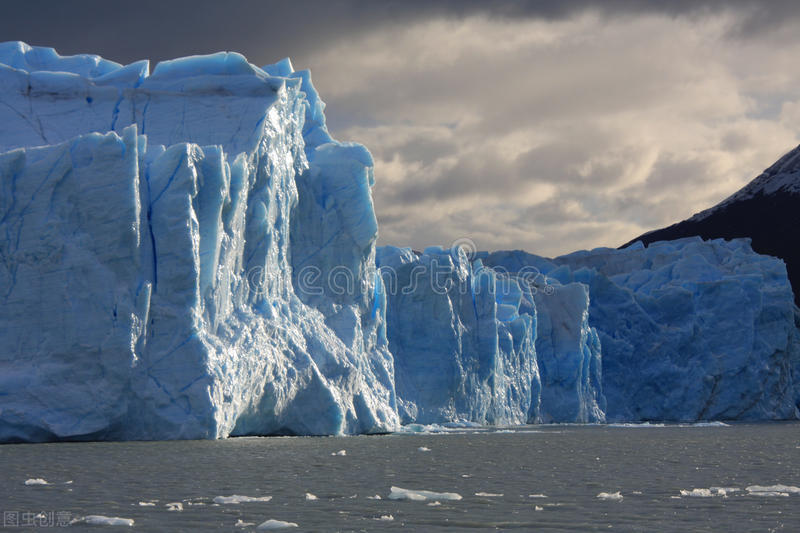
{"x":544,"y":478}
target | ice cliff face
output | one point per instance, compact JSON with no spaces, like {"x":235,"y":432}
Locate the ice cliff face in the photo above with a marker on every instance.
{"x":462,"y":351}
{"x":147,"y":252}
{"x":475,"y":344}
{"x":690,"y":329}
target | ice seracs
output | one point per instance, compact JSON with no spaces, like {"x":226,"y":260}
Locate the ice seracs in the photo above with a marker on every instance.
{"x":147,"y":248}
{"x":689,"y":330}
{"x":463,"y":351}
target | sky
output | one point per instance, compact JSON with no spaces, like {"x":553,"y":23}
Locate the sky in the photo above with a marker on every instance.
{"x":544,"y":126}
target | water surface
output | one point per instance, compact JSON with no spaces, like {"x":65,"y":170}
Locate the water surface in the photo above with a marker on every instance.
{"x":545,"y":478}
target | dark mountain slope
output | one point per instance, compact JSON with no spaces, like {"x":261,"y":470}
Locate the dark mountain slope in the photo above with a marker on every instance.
{"x":767,"y":210}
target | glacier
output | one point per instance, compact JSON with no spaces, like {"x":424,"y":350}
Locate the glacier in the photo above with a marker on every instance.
{"x":690,"y":329}
{"x":147,"y":247}
{"x":476,"y":344}
{"x":188,"y":253}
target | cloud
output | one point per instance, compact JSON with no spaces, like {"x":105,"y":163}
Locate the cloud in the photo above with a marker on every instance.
{"x":553,"y":135}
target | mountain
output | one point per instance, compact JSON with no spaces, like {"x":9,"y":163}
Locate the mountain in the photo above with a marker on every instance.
{"x":767,"y":210}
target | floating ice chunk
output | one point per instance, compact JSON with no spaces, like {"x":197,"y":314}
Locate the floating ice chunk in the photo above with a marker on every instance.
{"x":610,"y":496}
{"x":174,"y":506}
{"x":340,"y":452}
{"x":434,"y":504}
{"x":376,"y":497}
{"x":272,"y":524}
{"x":147,"y":504}
{"x":100,"y":520}
{"x":310,"y":497}
{"x":235,"y":498}
{"x":714,"y":424}
{"x":386,"y":518}
{"x":242,"y":523}
{"x":423,"y":449}
{"x":632,"y":425}
{"x":697,"y":493}
{"x":785,"y":489}
{"x":488,"y":495}
{"x":421,"y":495}
{"x":537,"y":495}
{"x":537,"y":508}
{"x":724,"y":491}
{"x":36,"y":481}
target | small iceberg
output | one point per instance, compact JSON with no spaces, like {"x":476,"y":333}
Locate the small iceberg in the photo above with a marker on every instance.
{"x":236,"y":498}
{"x":36,"y":481}
{"x":610,"y":496}
{"x":271,"y":525}
{"x":772,"y":490}
{"x":398,"y":493}
{"x":488,"y":495}
{"x":100,"y":520}
{"x":341,"y":453}
{"x":697,"y":493}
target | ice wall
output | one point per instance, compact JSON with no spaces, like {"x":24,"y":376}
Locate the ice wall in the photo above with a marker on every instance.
{"x":462,"y":350}
{"x":690,"y":329}
{"x":147,"y":279}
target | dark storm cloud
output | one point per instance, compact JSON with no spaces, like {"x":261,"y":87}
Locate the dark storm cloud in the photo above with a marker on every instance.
{"x":268,"y":30}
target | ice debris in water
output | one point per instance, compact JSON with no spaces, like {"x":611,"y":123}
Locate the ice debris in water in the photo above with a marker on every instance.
{"x":174,"y":506}
{"x":385,"y":518}
{"x":376,"y":497}
{"x":709,"y":492}
{"x":36,"y":481}
{"x":610,"y":496}
{"x":423,"y":449}
{"x":488,"y":495}
{"x":242,"y":523}
{"x":697,"y":493}
{"x":310,"y":497}
{"x":234,"y":499}
{"x":100,"y":520}
{"x":340,"y":452}
{"x":147,"y":504}
{"x":398,"y":493}
{"x":537,"y":495}
{"x":272,"y":524}
{"x":772,"y":490}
